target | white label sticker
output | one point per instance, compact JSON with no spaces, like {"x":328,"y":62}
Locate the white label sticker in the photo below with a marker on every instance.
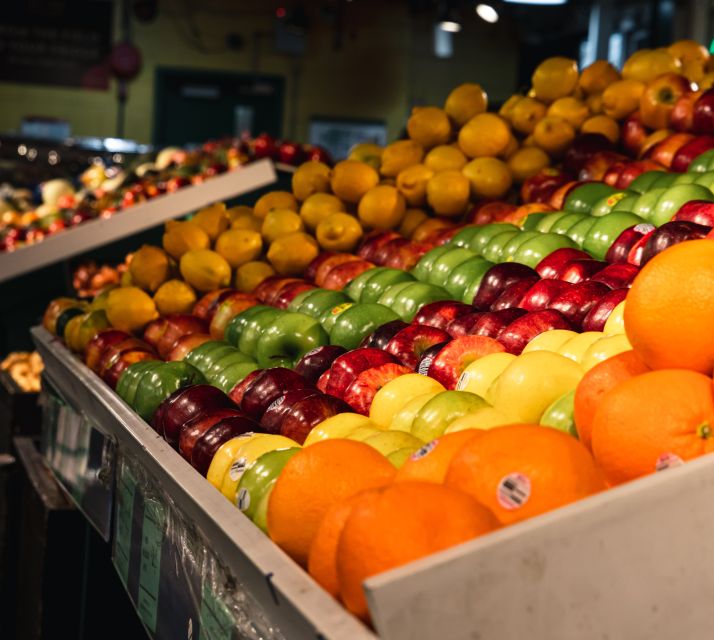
{"x":243,"y":499}
{"x":275,"y":404}
{"x":668,"y":461}
{"x":462,"y":381}
{"x":425,"y":450}
{"x":513,"y":491}
{"x":237,"y":469}
{"x":424,"y":365}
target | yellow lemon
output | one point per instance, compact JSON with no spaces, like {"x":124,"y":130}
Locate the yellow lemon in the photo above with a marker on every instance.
{"x":205,"y":270}
{"x":71,"y":331}
{"x":488,"y":177}
{"x":510,"y":149}
{"x":429,"y":126}
{"x":445,"y":157}
{"x":506,"y":110}
{"x":689,"y":51}
{"x":571,"y":110}
{"x":291,"y":254}
{"x":597,"y":77}
{"x":527,"y":162}
{"x":464,"y":102}
{"x":604,"y":125}
{"x":239,"y":246}
{"x":130,"y":309}
{"x":319,"y":206}
{"x":367,"y":152}
{"x":553,"y":135}
{"x":646,"y":64}
{"x":594,"y":102}
{"x":247,"y":223}
{"x":174,"y":296}
{"x":484,"y":135}
{"x":181,"y":237}
{"x":526,"y":114}
{"x":351,"y":179}
{"x":213,"y":220}
{"x":411,"y":220}
{"x":251,"y":274}
{"x":150,"y":267}
{"x":400,"y":155}
{"x":238,"y":212}
{"x":280,"y":222}
{"x":311,"y":177}
{"x":448,"y":193}
{"x":555,"y":78}
{"x":411,"y":183}
{"x":274,"y":200}
{"x":339,"y":232}
{"x":621,"y":98}
{"x":382,"y":207}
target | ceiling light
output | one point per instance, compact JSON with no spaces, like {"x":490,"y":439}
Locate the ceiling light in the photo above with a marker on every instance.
{"x":487,"y":13}
{"x":539,"y":2}
{"x":451,"y":26}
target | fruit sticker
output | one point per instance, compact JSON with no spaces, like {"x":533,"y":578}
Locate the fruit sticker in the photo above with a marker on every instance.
{"x":425,"y":450}
{"x":425,"y":364}
{"x":275,"y":404}
{"x":237,"y":469}
{"x":243,"y":499}
{"x":461,"y":382}
{"x":340,"y":308}
{"x":668,"y":461}
{"x":513,"y":491}
{"x":615,"y":198}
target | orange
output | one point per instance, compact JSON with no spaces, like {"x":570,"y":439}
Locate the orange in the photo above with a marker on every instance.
{"x":596,"y":383}
{"x":596,"y":77}
{"x":351,"y":179}
{"x":646,"y":64}
{"x":411,"y":220}
{"x":521,"y":470}
{"x":429,"y":126}
{"x":445,"y":157}
{"x":399,"y":524}
{"x":310,"y":177}
{"x":400,"y":155}
{"x":322,"y":559}
{"x":621,"y":98}
{"x":382,"y":207}
{"x":653,"y":421}
{"x":526,"y":114}
{"x":448,"y":193}
{"x":570,"y":109}
{"x":604,"y":125}
{"x":484,"y":135}
{"x":488,"y":177}
{"x":274,"y":200}
{"x":411,"y":183}
{"x":527,"y":162}
{"x":464,"y":102}
{"x":553,"y":135}
{"x":312,"y":481}
{"x":670,"y":325}
{"x":431,"y":462}
{"x":555,"y":78}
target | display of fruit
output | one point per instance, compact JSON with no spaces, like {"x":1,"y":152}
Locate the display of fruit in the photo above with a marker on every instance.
{"x":25,"y":368}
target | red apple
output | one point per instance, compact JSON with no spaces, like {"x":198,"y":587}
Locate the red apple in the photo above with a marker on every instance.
{"x":703,"y":118}
{"x":314,"y":363}
{"x":312,"y":268}
{"x":291,"y":153}
{"x":522,"y":330}
{"x":493,"y":323}
{"x":682,"y":116}
{"x":406,"y":256}
{"x":659,"y":98}
{"x":462,"y":325}
{"x":266,"y":387}
{"x":584,"y":147}
{"x":633,"y":134}
{"x":699,"y":211}
{"x":274,"y":414}
{"x":381,"y":336}
{"x":665,"y":150}
{"x":209,"y":442}
{"x":349,"y":365}
{"x":428,"y":356}
{"x":634,"y":256}
{"x":553,"y":264}
{"x":439,"y":314}
{"x":185,"y":344}
{"x":330,"y":264}
{"x":557,"y":199}
{"x":267,"y":292}
{"x":99,"y":342}
{"x":672,"y":233}
{"x":207,"y":305}
{"x":384,"y":253}
{"x":620,"y":249}
{"x":236,"y":393}
{"x":323,"y":381}
{"x":598,"y":314}
{"x":340,"y":275}
{"x":125,"y":359}
{"x":178,"y":325}
{"x":689,"y":151}
{"x":290,"y":291}
{"x":575,"y":303}
{"x":451,"y":361}
{"x":497,"y":278}
{"x":579,"y":270}
{"x":409,"y":344}
{"x":305,"y":414}
{"x":541,"y":293}
{"x":111,"y":354}
{"x":540,"y":187}
{"x":372,"y":242}
{"x":634,"y":169}
{"x":513,"y":294}
{"x":265,"y":146}
{"x":616,"y":276}
{"x":361,"y":392}
{"x":597,"y":165}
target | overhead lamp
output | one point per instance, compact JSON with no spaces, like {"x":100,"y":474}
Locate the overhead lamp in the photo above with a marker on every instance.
{"x":448,"y":18}
{"x":538,"y":2}
{"x":487,"y":13}
{"x":450,"y":26}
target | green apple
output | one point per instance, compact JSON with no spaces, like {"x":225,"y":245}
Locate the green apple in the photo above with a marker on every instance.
{"x":605,"y":231}
{"x":392,"y":291}
{"x":685,"y":178}
{"x":705,"y":179}
{"x":442,"y":410}
{"x":443,"y":266}
{"x":702,"y":163}
{"x":422,"y":268}
{"x":254,"y":328}
{"x":235,"y":327}
{"x":287,"y":339}
{"x":486,"y":232}
{"x":320,"y":301}
{"x":295,"y":303}
{"x":664,"y":180}
{"x":534,"y":250}
{"x":563,"y":224}
{"x":583,"y":198}
{"x":549,"y":220}
{"x":204,"y":355}
{"x":464,"y":237}
{"x":559,"y":415}
{"x":387,"y":442}
{"x":493,"y":250}
{"x":645,"y":204}
{"x":222,"y":362}
{"x":356,"y":286}
{"x":414,"y":296}
{"x":359,"y":320}
{"x":580,"y":229}
{"x":380,"y":282}
{"x":625,"y":204}
{"x":532,"y":220}
{"x":523,"y":391}
{"x":512,"y":245}
{"x":672,"y":199}
{"x":260,"y":517}
{"x":465,"y":274}
{"x":231,"y":375}
{"x":259,"y":476}
{"x":643,"y":182}
{"x":604,"y":205}
{"x":327,"y":320}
